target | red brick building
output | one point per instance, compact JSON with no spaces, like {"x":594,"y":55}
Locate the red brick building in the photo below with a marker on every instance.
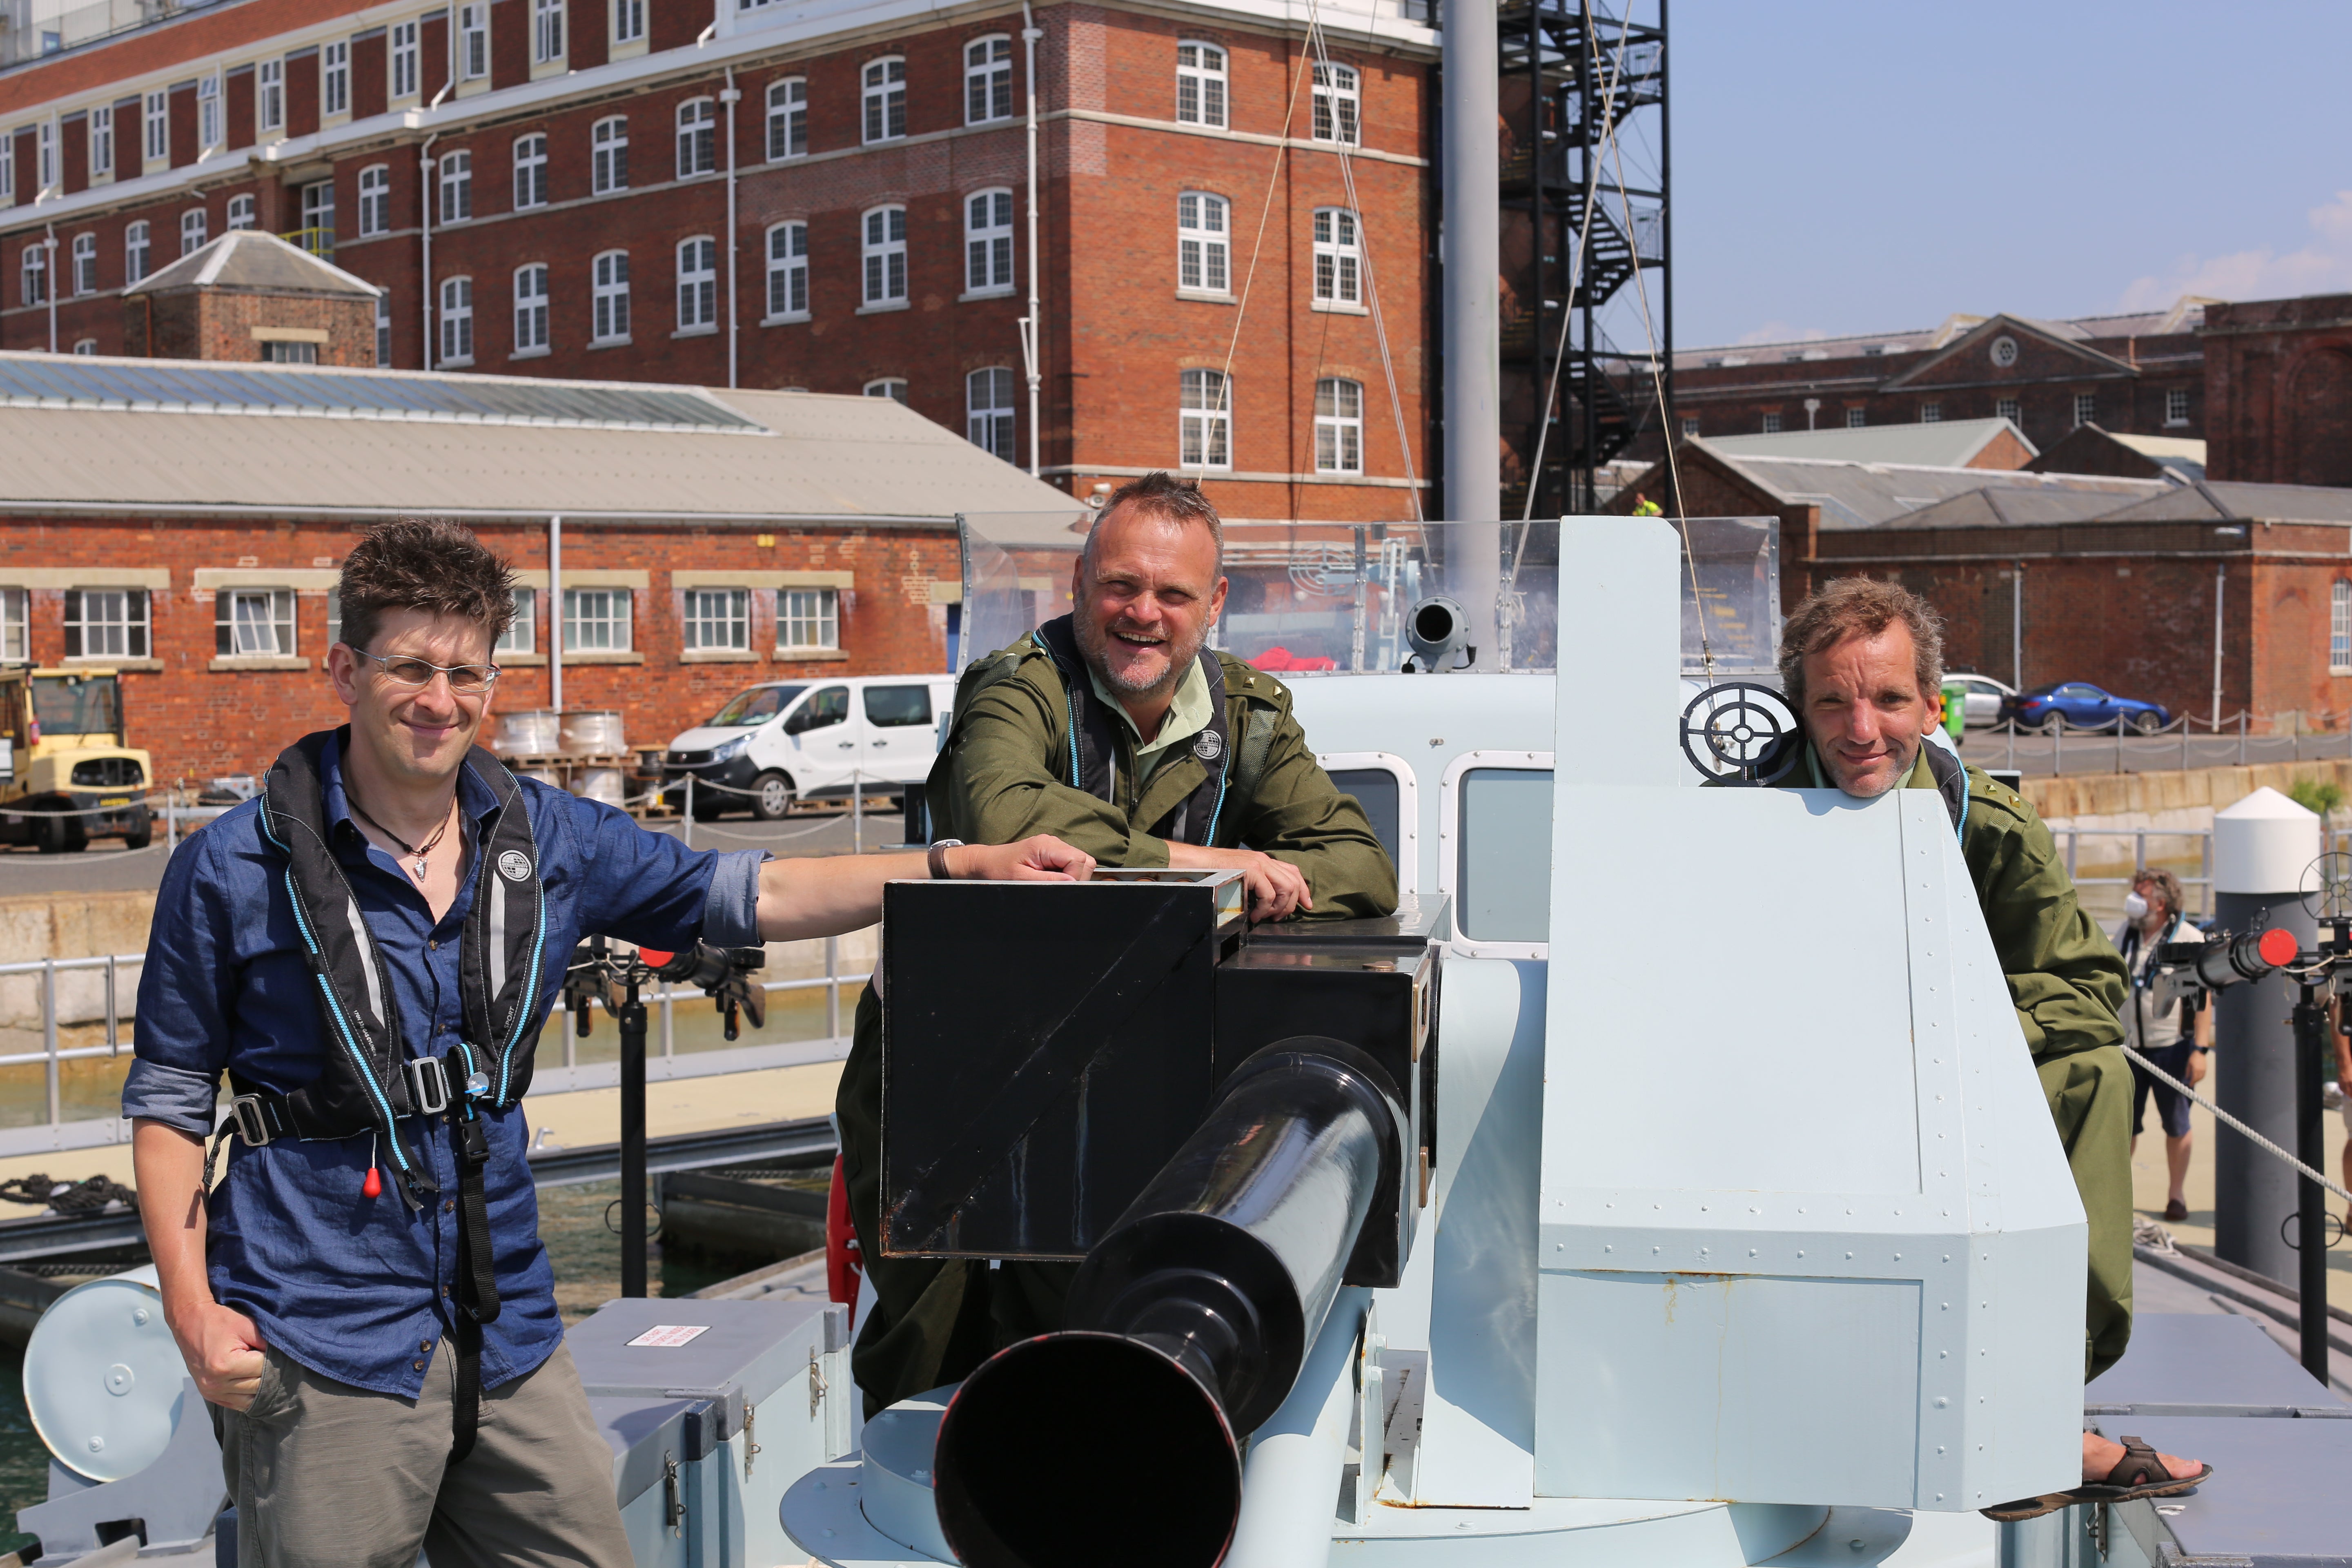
{"x":184,"y":523}
{"x":649,"y":190}
{"x":2139,"y":375}
{"x":2279,"y":373}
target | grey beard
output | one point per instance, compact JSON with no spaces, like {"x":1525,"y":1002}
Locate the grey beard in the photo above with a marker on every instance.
{"x":1092,"y":643}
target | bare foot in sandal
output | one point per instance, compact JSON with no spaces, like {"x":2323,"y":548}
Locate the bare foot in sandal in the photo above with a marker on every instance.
{"x":2102,"y":1458}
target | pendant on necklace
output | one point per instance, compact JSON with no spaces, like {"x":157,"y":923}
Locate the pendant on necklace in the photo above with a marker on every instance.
{"x":418,"y":874}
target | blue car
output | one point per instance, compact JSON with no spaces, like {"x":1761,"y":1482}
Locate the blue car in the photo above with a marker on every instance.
{"x":2080,"y":705}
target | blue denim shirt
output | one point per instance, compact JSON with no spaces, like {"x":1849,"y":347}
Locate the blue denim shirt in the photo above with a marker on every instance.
{"x":354,"y":1288}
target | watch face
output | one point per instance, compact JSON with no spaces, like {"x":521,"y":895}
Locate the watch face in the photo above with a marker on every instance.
{"x":2004,"y":352}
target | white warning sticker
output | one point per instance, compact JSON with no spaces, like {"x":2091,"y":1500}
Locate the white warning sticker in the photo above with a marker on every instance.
{"x":668,"y":1336}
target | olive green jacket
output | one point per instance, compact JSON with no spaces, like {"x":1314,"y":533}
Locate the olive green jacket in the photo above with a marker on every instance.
{"x":997,"y":781}
{"x":2064,"y":976}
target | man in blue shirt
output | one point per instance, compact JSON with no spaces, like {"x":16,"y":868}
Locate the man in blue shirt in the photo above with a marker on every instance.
{"x":364,"y":1297}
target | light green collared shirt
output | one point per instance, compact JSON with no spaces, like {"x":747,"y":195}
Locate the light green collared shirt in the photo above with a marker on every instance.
{"x":1187,"y":716}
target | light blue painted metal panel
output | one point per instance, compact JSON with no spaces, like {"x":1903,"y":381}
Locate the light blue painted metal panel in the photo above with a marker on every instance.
{"x":1502,"y":882}
{"x":1621,"y":648}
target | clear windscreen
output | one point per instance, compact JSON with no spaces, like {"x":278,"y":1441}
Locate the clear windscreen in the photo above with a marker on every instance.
{"x":1361,"y":598}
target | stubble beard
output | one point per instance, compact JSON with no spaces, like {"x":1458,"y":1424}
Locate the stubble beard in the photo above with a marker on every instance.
{"x":1094,"y":643}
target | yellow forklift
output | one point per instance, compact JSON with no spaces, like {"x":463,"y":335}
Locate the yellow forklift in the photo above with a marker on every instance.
{"x":61,"y":751}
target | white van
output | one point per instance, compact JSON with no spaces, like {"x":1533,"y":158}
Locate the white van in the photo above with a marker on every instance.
{"x":808,"y":740}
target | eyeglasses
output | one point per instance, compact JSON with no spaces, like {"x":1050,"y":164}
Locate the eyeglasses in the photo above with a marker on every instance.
{"x":465,"y":680}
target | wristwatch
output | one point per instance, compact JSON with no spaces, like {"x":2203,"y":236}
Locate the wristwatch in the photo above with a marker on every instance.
{"x":938,"y":858}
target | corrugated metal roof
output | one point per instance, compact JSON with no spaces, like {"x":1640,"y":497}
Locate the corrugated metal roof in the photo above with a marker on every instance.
{"x":2244,"y":502}
{"x":1867,"y":495}
{"x":802,"y":455}
{"x":1949,"y":444}
{"x":2012,"y":506}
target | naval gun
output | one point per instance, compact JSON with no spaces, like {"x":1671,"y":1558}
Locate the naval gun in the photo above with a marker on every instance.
{"x":1221,"y":1125}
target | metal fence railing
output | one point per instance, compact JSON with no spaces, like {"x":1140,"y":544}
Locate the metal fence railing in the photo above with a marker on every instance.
{"x":53,"y":1054}
{"x":2121,"y":745}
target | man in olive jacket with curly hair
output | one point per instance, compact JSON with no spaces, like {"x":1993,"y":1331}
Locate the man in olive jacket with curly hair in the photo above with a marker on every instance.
{"x":1114,"y":729}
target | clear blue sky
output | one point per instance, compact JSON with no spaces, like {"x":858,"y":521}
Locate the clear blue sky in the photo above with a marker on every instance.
{"x":1864,"y":165}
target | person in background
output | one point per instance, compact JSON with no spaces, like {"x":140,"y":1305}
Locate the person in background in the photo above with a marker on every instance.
{"x":2153,"y":916}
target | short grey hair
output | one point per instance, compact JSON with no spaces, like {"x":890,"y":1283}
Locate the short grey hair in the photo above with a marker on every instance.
{"x":1863,"y":606}
{"x":1163,"y":495}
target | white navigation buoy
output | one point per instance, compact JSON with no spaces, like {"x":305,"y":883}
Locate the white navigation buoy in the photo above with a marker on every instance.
{"x":104,"y":1377}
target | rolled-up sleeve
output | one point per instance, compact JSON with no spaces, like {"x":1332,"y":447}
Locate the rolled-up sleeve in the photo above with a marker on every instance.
{"x":179,"y":1038}
{"x":730,"y":910}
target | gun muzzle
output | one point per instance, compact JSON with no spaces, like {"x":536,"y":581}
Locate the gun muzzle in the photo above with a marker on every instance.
{"x":1187,"y":1327}
{"x":2218,"y":966}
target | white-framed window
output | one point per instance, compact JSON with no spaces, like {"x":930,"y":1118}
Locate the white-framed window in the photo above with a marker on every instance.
{"x":208,"y":113}
{"x":158,"y":118}
{"x":1339,"y":426}
{"x":375,"y":199}
{"x":2087,"y":408}
{"x":270,"y":95}
{"x":1931,"y":412}
{"x":1203,"y":246}
{"x":698,"y":283}
{"x":240,"y":211}
{"x":16,"y":632}
{"x":457,"y":187}
{"x":457,"y":320}
{"x":1772,"y":423}
{"x":85,"y":345}
{"x":988,"y":80}
{"x":988,"y":410}
{"x":608,"y":156}
{"x":1335,"y":103}
{"x":474,"y":40}
{"x":319,"y":212}
{"x":1855,"y":419}
{"x":45,"y":155}
{"x":886,"y":254}
{"x":101,"y":144}
{"x":2005,"y":408}
{"x":2176,"y":405}
{"x":788,"y":117}
{"x":1204,"y":428}
{"x":106,"y":623}
{"x":718,"y":618}
{"x":890,"y":386}
{"x":85,"y":264}
{"x":596,"y":620}
{"x":546,"y":31}
{"x":2340,"y":627}
{"x":34,"y":279}
{"x":531,"y":307}
{"x":1199,"y":84}
{"x":1338,"y":257}
{"x":530,"y":170}
{"x":988,"y":240}
{"x":253,"y":623}
{"x":335,"y":77}
{"x":698,"y":137}
{"x":521,"y":635}
{"x":609,"y":291}
{"x":628,"y":21}
{"x":807,"y":617}
{"x":1690,"y":425}
{"x":7,"y":169}
{"x":788,"y":286}
{"x":886,"y":99}
{"x":134,"y":252}
{"x":382,"y":332}
{"x":403,"y":61}
{"x":193,"y":231}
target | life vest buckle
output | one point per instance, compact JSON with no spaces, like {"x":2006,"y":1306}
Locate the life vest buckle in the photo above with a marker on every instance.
{"x":428,"y":1085}
{"x":252,"y":1120}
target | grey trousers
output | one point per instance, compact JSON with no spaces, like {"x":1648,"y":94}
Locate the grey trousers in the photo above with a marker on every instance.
{"x":328,"y":1475}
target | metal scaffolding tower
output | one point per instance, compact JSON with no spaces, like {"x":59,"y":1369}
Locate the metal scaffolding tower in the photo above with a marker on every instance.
{"x":1581,"y":115}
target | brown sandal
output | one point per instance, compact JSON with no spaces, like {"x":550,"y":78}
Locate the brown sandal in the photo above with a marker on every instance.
{"x":2140,"y":1473}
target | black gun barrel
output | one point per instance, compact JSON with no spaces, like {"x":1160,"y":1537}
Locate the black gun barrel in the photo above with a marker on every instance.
{"x":2221,"y":963}
{"x":1187,"y":1327}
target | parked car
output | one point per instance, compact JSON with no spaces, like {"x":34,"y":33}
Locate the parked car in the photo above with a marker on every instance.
{"x":787,"y":740}
{"x":2081,"y":706}
{"x":1982,"y":709}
